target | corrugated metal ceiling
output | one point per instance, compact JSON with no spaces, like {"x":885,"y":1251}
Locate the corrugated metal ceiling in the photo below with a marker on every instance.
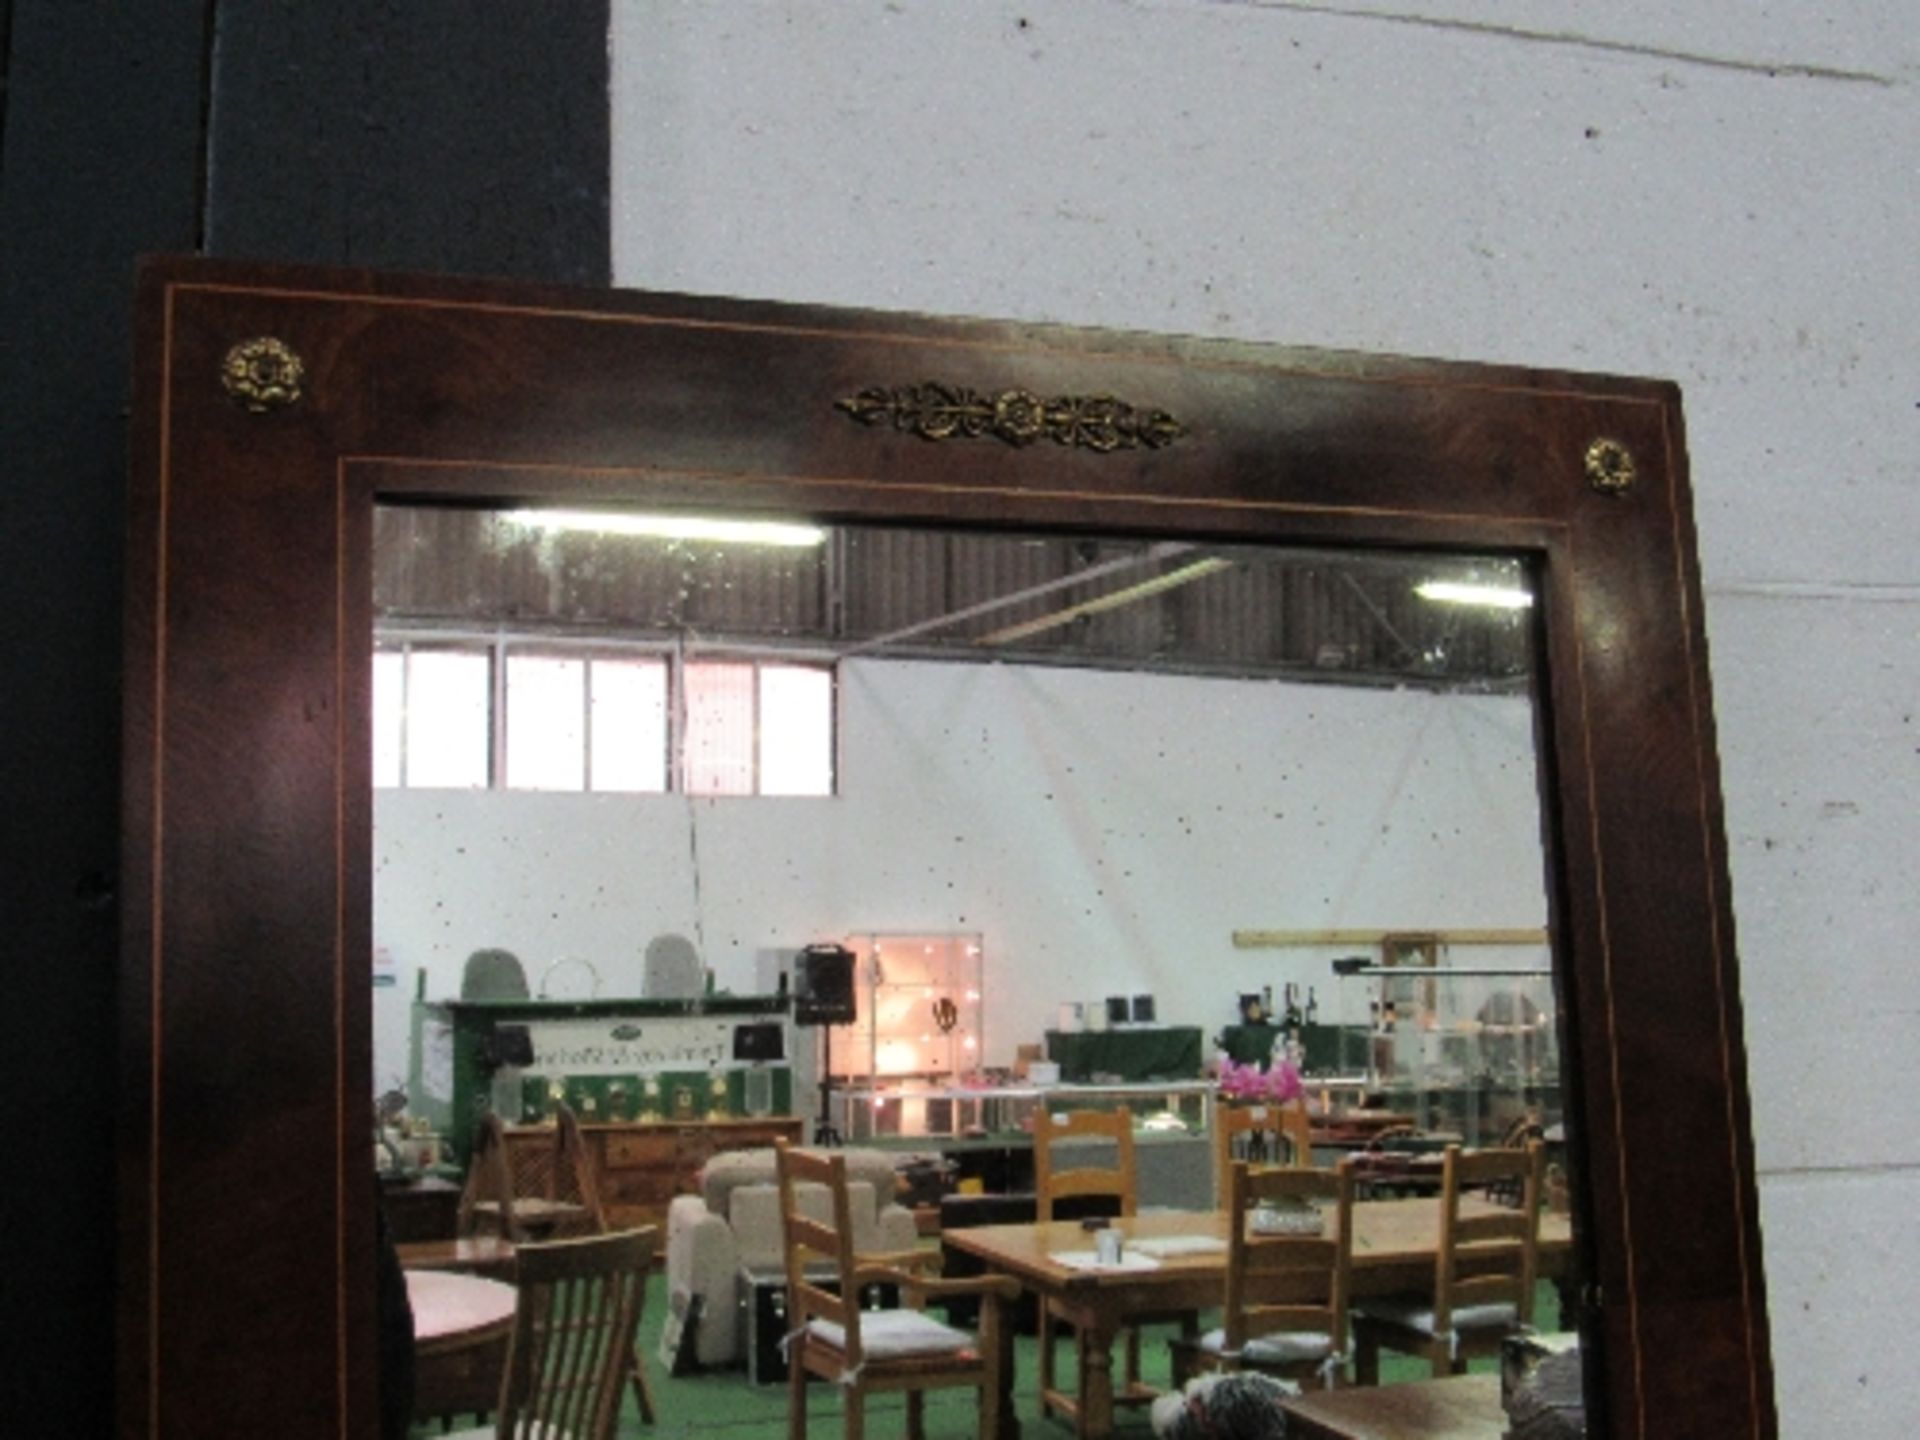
{"x":1330,"y":616}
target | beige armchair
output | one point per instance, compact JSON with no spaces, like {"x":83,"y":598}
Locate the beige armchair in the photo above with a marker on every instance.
{"x":735,"y":1223}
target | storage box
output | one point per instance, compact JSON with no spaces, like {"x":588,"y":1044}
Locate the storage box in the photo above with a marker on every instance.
{"x":763,"y":1302}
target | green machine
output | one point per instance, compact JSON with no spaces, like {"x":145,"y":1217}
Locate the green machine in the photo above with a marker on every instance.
{"x":610,"y":1061}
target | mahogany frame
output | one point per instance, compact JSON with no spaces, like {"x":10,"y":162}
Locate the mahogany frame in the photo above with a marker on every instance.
{"x":247,"y":1208}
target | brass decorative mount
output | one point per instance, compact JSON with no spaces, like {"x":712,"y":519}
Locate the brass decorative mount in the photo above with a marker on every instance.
{"x":934,"y":410}
{"x":262,"y":374}
{"x":1610,"y":467}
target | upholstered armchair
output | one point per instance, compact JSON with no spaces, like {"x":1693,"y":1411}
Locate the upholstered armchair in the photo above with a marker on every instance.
{"x":735,"y":1222}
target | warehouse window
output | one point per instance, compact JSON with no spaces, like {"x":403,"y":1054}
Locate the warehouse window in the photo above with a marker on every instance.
{"x":586,"y":722}
{"x":756,"y":727}
{"x":432,"y":716}
{"x":543,"y":715}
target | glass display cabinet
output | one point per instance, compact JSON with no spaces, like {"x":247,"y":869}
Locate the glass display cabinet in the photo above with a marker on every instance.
{"x":919,"y":1008}
{"x":941,"y":1115}
{"x":1464,"y":1050}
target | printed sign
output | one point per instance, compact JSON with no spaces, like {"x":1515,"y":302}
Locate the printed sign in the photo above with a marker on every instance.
{"x":629,"y":1045}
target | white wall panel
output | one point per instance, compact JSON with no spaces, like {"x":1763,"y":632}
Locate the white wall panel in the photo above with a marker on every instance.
{"x":1840,"y":1265}
{"x":1823,"y":780}
{"x":1725,"y":194}
{"x":1288,"y":174}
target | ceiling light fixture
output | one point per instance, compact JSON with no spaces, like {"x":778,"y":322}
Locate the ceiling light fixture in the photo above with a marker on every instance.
{"x":672,"y":527}
{"x":1454,"y":592}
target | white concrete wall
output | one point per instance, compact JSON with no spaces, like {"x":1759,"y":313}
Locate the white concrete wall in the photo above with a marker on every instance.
{"x":1720,"y":193}
{"x":1104,"y":832}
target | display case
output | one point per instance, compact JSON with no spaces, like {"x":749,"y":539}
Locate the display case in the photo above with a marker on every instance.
{"x":943,"y":1115}
{"x":1466,"y":1050}
{"x":919,"y":1008}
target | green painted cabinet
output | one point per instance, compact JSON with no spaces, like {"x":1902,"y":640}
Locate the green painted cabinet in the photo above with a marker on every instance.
{"x":611,"y":1061}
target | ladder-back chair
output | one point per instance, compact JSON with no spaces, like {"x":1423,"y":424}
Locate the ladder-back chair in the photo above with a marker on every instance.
{"x":1117,"y":1182}
{"x":868,"y":1351}
{"x":1285,"y":1306}
{"x":575,"y":1325}
{"x":1259,"y":1135}
{"x":543,"y":1188}
{"x":1484,"y":1272}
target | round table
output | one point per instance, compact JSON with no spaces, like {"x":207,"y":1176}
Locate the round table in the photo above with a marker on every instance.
{"x":451,"y":1310}
{"x":460,"y":1329}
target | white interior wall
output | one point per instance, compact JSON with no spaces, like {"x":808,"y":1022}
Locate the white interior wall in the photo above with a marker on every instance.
{"x":1719,"y":193}
{"x":1104,"y":832}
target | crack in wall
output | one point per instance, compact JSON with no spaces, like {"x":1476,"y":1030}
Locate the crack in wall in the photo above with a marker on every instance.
{"x":1836,"y":1171}
{"x":1863,"y":590}
{"x":1776,"y":69}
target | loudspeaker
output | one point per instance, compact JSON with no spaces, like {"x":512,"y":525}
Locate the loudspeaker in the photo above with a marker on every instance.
{"x":823,"y":986}
{"x":508,"y":1045}
{"x":759,"y":1041}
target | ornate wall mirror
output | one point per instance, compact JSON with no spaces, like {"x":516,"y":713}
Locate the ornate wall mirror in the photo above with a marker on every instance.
{"x":279,"y":410}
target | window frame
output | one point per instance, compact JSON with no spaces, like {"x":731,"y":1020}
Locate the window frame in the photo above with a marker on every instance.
{"x":407,"y":647}
{"x":501,"y":643}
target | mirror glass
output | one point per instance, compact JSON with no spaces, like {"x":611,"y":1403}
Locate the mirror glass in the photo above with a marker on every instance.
{"x":1102,"y":811}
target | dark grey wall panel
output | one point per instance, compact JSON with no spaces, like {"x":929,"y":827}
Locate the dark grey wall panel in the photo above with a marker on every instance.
{"x":101,"y":151}
{"x":465,"y":136}
{"x":430,"y":135}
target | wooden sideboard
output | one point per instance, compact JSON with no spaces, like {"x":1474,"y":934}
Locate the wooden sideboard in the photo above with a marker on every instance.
{"x":642,"y":1165}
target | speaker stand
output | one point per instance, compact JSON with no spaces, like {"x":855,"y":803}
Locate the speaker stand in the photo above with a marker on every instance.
{"x":824,"y":1132}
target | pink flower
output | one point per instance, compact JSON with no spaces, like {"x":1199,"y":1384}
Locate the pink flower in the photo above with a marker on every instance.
{"x":1248,"y":1082}
{"x":1283,"y":1082}
{"x":1239,"y":1082}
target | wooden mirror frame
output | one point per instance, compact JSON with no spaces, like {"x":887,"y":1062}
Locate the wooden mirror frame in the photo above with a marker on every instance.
{"x":273,"y":405}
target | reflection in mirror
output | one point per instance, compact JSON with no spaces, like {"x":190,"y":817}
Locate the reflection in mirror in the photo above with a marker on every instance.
{"x":1102,"y":820}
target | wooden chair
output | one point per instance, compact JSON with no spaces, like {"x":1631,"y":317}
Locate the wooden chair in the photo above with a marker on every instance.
{"x":1259,"y":1135}
{"x":576,"y":1178}
{"x":540,"y":1192}
{"x":1285,"y":1309}
{"x":575,"y":1326}
{"x":547,"y":1190}
{"x":1117,"y":1182}
{"x":1483,"y":1274}
{"x":866,"y":1351}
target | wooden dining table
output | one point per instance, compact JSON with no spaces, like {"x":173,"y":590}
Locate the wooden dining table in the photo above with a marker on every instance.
{"x":1394,"y":1248}
{"x":461,"y":1324}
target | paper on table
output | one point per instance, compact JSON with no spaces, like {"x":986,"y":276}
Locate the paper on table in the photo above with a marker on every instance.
{"x":1165,"y":1245}
{"x":1090,"y":1260}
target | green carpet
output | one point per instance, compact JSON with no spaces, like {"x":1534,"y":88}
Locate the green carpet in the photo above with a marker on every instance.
{"x":723,"y":1404}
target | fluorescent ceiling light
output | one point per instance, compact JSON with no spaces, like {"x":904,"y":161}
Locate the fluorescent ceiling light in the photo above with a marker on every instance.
{"x":1454,"y":592}
{"x":671,"y":527}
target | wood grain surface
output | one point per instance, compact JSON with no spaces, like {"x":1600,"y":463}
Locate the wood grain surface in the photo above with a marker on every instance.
{"x":247,"y":892}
